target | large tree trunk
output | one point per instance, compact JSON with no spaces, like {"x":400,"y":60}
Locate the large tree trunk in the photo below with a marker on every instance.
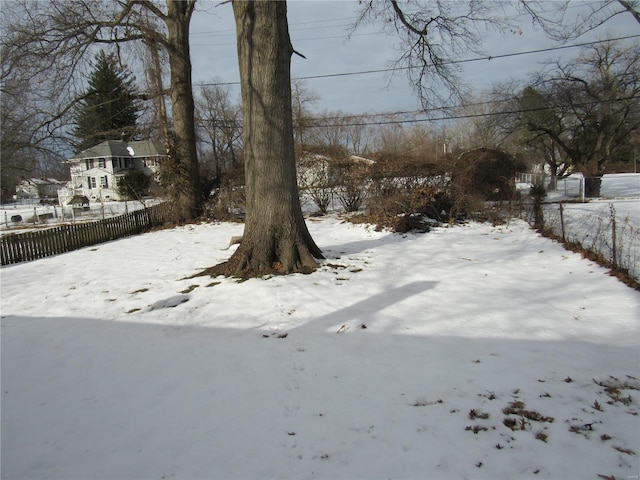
{"x":183,"y":173}
{"x":276,"y":239}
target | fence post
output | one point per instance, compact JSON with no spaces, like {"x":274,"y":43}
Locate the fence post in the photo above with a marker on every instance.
{"x":562,"y":221}
{"x":612,"y":211}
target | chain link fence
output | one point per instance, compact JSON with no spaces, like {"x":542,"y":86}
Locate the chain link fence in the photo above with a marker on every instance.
{"x":605,"y":228}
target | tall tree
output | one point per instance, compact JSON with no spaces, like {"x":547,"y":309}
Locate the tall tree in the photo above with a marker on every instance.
{"x":185,"y":173}
{"x":109,"y":109}
{"x":275,"y":237}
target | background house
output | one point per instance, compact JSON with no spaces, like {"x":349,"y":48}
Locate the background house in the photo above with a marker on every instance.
{"x":39,"y":188}
{"x":95,"y":172}
{"x":319,"y":170}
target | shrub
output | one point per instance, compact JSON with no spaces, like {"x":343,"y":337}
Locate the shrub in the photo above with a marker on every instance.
{"x":227,"y":200}
{"x":133,"y":185}
{"x":487,"y":173}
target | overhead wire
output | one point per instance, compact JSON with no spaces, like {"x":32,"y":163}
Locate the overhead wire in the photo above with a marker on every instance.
{"x":451,"y":62}
{"x":421,"y":111}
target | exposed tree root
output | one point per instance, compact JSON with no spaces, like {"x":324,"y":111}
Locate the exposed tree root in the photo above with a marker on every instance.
{"x":247,"y":263}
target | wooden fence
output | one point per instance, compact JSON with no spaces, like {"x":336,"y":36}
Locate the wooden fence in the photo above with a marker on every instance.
{"x":23,"y":247}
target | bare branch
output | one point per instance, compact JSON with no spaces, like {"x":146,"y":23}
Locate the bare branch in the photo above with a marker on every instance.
{"x":631,"y":7}
{"x":432,"y":35}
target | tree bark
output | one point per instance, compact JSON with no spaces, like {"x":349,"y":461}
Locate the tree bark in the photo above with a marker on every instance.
{"x":276,"y":238}
{"x":184,"y":174}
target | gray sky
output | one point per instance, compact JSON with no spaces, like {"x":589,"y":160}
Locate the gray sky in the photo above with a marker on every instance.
{"x":319,"y":31}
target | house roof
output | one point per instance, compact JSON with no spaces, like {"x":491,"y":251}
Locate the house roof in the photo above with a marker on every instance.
{"x":118,"y":148}
{"x":324,"y":158}
{"x":358,"y":159}
{"x":78,"y":200}
{"x":42,"y":181}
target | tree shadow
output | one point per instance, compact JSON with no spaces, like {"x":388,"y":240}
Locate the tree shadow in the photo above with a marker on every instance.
{"x":361,"y":312}
{"x":359,"y":246}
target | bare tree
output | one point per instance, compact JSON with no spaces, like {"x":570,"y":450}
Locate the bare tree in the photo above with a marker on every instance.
{"x":631,"y":6}
{"x":340,"y":130}
{"x":31,"y":139}
{"x":559,"y":23}
{"x":433,"y":35}
{"x":481,"y":127}
{"x":390,"y":138}
{"x":535,"y":108}
{"x":221,"y":122}
{"x":301,"y":100}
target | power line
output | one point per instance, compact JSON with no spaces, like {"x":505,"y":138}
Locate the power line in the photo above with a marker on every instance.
{"x":452,"y":62}
{"x":292,"y":27}
{"x":473,"y":115}
{"x":516,"y":111}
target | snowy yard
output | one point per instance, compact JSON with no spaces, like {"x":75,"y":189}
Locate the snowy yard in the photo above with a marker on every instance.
{"x":468,"y":352}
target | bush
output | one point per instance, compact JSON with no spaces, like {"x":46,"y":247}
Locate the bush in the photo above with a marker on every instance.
{"x":489,"y":174}
{"x":406,"y":194}
{"x":227,"y":200}
{"x":134,"y":185}
{"x":350,"y":181}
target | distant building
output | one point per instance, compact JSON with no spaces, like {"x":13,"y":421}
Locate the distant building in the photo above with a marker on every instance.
{"x":316,"y":170}
{"x":39,"y":188}
{"x":95,"y":172}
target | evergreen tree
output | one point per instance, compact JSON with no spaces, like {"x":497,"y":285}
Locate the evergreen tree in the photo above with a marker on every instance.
{"x":108,"y":110}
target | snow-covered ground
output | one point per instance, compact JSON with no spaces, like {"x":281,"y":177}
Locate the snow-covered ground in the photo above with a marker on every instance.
{"x":489,"y":352}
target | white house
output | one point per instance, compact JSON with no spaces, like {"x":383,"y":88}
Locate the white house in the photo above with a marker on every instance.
{"x":39,"y":188}
{"x":315,"y":170}
{"x":95,"y":172}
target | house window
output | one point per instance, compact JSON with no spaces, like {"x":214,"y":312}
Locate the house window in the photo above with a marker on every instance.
{"x":127,"y":163}
{"x":104,"y":183}
{"x":101,"y":163}
{"x":92,"y":182}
